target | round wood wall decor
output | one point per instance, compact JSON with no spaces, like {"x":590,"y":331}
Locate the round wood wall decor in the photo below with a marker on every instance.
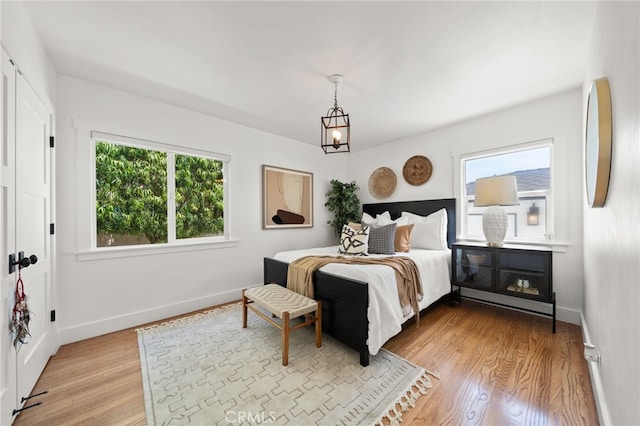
{"x":417,"y":170}
{"x":382,"y":182}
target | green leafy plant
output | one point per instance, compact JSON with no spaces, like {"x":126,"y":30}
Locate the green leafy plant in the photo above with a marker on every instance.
{"x":131,"y":195}
{"x":343,"y":202}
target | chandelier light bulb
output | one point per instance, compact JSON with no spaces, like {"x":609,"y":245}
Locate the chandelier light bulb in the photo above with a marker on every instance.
{"x":336,"y":138}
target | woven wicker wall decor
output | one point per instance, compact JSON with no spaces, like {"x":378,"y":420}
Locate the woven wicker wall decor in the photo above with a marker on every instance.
{"x":382,"y":182}
{"x":417,"y":170}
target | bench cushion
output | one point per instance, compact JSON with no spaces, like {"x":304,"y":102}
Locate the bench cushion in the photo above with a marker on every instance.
{"x":278,"y":300}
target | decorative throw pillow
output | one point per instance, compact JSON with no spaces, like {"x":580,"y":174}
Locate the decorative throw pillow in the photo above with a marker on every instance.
{"x":429,"y":232}
{"x":381,"y":239}
{"x":354,"y":241}
{"x":402,"y":241}
{"x":355,"y":225}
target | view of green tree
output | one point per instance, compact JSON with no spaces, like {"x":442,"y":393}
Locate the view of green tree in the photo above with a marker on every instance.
{"x":131,"y":195}
{"x":131,"y":192}
{"x":199,"y":197}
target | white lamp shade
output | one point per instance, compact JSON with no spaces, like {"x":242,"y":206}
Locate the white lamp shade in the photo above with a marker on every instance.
{"x":496,"y":191}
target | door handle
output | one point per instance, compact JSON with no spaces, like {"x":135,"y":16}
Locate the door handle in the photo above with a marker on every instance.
{"x":22,"y":262}
{"x":26,"y":261}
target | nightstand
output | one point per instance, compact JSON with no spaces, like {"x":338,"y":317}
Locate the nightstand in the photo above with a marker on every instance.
{"x":515,"y":271}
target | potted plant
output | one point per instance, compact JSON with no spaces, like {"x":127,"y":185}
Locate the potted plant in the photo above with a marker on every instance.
{"x":343,"y":202}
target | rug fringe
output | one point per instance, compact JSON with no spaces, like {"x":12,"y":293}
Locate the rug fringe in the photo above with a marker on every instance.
{"x":408,"y":399}
{"x":189,"y":317}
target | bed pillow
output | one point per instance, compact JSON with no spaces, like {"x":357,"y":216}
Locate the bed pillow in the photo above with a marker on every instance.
{"x":402,"y":240}
{"x":383,"y":219}
{"x":354,"y":241}
{"x":429,"y":232}
{"x":382,"y":238}
{"x":355,"y":225}
{"x":401,"y":221}
{"x":380,"y":219}
{"x":415,"y":218}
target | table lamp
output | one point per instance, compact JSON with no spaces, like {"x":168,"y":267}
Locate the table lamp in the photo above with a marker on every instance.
{"x":495,"y":191}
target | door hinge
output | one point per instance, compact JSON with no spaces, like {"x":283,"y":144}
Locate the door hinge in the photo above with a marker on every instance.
{"x":52,"y":228}
{"x":51,"y":141}
{"x":53,"y":315}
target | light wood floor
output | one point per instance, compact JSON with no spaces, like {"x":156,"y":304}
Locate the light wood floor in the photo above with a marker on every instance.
{"x":497,"y":367}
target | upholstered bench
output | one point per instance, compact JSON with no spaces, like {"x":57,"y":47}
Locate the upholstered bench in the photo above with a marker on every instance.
{"x":286,"y":305}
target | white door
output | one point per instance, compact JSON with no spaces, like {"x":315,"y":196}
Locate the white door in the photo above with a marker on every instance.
{"x":33,"y":129}
{"x":8,"y":391}
{"x":24,"y":226}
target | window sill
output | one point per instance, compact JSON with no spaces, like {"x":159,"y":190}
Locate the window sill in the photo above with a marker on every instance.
{"x":151,"y":249}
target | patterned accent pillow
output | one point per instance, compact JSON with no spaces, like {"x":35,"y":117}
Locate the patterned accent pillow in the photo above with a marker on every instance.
{"x":381,"y":239}
{"x":354,"y":241}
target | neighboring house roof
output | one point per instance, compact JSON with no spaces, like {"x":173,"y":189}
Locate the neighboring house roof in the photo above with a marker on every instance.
{"x":528,"y":180}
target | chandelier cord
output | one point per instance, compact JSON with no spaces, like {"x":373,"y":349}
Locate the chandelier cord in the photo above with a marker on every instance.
{"x":335,"y":96}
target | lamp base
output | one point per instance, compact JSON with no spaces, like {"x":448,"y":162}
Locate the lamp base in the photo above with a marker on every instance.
{"x":494,"y":244}
{"x":494,"y":225}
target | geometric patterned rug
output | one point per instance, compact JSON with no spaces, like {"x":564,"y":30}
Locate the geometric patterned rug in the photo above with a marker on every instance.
{"x":206,"y":369}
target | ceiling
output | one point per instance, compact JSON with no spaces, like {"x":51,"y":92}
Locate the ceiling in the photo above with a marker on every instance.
{"x":408,"y":67}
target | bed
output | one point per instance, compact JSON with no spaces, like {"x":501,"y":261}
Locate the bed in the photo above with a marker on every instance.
{"x":346,"y":297}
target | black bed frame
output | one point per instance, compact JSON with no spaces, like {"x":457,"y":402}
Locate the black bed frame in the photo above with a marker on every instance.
{"x":345,"y":301}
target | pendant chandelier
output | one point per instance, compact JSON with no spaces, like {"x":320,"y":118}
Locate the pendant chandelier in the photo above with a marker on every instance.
{"x":335,"y":126}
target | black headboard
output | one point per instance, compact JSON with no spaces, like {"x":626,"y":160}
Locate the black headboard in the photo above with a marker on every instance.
{"x":422,"y":208}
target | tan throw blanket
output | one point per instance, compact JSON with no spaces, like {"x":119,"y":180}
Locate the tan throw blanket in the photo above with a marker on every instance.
{"x":300,"y":276}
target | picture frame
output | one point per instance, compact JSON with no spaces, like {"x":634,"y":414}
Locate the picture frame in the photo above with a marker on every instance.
{"x":287,"y":198}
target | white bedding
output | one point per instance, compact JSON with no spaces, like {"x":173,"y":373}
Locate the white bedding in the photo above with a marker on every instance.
{"x":385,"y":312}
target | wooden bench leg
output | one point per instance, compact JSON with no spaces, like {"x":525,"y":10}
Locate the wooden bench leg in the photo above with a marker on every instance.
{"x":285,"y":338}
{"x":244,"y":310}
{"x":319,"y":326}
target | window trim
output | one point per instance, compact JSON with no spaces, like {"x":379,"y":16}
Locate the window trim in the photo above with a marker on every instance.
{"x":550,"y":212}
{"x":86,"y":226}
{"x":171,"y":152}
{"x":151,"y":249}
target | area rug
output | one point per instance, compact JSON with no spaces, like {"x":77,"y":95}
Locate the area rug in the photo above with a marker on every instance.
{"x":206,"y":369}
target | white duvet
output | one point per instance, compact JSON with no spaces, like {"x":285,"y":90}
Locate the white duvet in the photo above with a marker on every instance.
{"x":385,"y":313}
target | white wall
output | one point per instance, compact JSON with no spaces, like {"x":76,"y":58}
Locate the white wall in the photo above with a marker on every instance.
{"x":21,"y":41}
{"x":98,"y":296}
{"x":558,"y":117}
{"x":612,"y":233}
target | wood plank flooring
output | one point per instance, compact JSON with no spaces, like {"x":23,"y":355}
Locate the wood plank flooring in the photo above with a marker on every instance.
{"x":497,"y":367}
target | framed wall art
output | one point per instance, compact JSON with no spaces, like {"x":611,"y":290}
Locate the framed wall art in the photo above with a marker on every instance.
{"x":287,"y":198}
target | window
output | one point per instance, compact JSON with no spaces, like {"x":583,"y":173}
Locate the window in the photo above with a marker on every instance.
{"x":149,"y":193}
{"x":532,"y":219}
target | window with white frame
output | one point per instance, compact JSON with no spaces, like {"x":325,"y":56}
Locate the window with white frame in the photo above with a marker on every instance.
{"x":531,"y":164}
{"x":151,"y":193}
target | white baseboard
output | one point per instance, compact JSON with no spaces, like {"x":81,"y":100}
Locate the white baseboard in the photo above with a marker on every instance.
{"x":596,"y":382}
{"x":109,"y":325}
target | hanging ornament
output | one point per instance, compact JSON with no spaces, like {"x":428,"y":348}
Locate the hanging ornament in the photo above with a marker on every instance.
{"x":19,"y":326}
